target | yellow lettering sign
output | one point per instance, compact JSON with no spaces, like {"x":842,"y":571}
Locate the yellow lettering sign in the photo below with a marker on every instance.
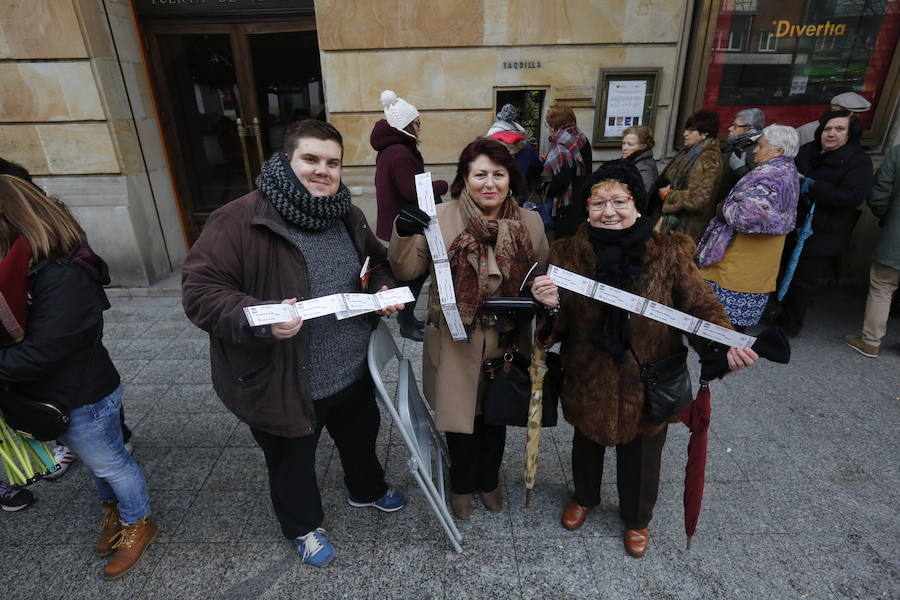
{"x":784,"y":28}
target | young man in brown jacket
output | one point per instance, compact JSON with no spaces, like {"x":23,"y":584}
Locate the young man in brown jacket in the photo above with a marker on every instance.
{"x":295,"y":237}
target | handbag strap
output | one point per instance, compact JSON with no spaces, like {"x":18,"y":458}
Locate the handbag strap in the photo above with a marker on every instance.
{"x":636,"y":359}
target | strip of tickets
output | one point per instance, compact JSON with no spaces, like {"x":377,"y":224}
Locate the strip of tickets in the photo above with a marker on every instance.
{"x":343,"y":306}
{"x":446,"y":294}
{"x":648,"y":308}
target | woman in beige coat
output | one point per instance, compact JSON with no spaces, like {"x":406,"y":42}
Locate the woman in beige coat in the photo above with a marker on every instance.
{"x":491,"y":245}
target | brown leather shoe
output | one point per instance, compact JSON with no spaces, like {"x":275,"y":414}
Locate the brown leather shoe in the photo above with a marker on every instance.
{"x":636,"y":541}
{"x":130,"y":543}
{"x":109,"y":527}
{"x":461,"y":505}
{"x":573,"y":515}
{"x":493,"y":501}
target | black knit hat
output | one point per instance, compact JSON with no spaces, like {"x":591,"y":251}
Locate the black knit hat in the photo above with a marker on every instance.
{"x":623,"y":171}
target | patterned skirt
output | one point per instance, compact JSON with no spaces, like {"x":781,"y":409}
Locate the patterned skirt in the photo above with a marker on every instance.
{"x":743,"y":308}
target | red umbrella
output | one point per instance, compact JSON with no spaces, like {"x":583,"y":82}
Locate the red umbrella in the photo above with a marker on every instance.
{"x":696,"y":416}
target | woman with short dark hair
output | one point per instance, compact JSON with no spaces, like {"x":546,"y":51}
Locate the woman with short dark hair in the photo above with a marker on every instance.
{"x":491,"y":245}
{"x":837,"y":178}
{"x":689,"y":181}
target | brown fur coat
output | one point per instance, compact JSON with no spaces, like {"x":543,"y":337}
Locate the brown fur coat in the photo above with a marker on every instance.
{"x":603,"y":400}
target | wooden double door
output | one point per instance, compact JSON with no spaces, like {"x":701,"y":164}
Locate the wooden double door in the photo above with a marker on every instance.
{"x":226,"y":93}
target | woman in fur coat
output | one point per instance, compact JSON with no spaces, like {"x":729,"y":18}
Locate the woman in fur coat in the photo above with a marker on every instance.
{"x":603,"y":346}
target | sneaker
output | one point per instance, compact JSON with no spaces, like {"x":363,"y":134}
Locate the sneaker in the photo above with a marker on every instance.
{"x":391,"y":501}
{"x":855,"y":342}
{"x":129,"y":544}
{"x":314,"y":549}
{"x":64,"y":458}
{"x":13,"y":498}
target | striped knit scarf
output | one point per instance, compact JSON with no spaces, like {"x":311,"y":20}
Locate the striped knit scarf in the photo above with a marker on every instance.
{"x":565,"y":151}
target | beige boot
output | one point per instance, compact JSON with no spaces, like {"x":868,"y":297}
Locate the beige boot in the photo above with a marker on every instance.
{"x":130,"y":543}
{"x":108,"y":527}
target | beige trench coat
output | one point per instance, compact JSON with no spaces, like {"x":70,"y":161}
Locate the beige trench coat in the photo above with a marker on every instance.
{"x":451,"y":371}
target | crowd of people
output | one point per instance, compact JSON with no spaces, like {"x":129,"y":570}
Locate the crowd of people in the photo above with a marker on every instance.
{"x":717,"y":234}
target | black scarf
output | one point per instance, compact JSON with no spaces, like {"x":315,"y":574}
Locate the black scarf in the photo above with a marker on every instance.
{"x":620,"y":258}
{"x":293,"y":201}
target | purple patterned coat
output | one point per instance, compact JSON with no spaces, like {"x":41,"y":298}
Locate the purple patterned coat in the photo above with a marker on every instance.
{"x":763,"y":201}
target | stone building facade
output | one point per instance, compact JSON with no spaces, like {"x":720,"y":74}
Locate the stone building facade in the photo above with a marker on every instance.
{"x":143,"y":116}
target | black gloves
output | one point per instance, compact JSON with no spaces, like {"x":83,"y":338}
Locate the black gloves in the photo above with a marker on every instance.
{"x":412,"y":220}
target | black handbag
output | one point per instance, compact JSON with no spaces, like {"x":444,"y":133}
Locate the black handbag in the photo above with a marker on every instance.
{"x":38,"y":419}
{"x":516,"y":308}
{"x":508,"y":394}
{"x":667,"y":386}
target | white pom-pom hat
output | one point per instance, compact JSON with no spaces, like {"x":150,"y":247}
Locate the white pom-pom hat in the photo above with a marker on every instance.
{"x":398,"y":112}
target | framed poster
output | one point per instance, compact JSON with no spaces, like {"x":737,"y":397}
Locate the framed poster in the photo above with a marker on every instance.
{"x":625,"y":97}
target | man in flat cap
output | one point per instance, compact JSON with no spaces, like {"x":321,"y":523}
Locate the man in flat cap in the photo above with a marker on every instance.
{"x":847,"y":101}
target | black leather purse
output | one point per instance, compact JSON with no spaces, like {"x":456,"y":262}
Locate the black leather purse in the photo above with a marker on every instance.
{"x":508,"y":394}
{"x":518,"y":309}
{"x":38,"y":419}
{"x":667,"y":386}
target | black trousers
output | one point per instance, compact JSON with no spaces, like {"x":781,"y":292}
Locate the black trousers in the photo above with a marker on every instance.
{"x":637,"y":475}
{"x":352,"y":419}
{"x":802,"y":292}
{"x":475,"y":458}
{"x":405,"y":317}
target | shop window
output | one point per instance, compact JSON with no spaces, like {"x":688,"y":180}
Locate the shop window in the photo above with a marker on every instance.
{"x":807,"y":51}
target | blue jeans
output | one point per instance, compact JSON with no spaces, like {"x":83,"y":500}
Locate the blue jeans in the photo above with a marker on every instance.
{"x":95,"y":436}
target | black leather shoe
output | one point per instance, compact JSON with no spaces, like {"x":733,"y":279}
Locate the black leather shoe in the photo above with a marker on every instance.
{"x":416,"y":334}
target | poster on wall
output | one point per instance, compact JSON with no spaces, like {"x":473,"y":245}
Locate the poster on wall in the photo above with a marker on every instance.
{"x":625,"y":98}
{"x":624,"y":106}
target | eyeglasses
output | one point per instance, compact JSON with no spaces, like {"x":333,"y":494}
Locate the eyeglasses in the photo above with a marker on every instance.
{"x":739,"y":125}
{"x":417,"y":123}
{"x":618,"y":203}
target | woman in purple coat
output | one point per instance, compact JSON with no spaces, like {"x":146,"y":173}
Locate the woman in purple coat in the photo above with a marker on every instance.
{"x":396,"y":139}
{"x":740,"y":250}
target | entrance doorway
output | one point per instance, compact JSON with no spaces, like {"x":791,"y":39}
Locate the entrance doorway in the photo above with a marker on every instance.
{"x":226,"y":93}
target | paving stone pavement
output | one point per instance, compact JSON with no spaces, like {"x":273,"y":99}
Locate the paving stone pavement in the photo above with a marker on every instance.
{"x":802,"y":494}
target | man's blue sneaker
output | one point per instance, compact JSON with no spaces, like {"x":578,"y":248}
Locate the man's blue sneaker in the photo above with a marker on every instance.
{"x":314,"y":549}
{"x":391,"y":501}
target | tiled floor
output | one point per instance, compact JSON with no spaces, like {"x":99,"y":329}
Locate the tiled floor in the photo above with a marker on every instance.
{"x":802,"y":497}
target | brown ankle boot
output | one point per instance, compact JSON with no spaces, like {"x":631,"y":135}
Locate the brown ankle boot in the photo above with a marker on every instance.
{"x":461,"y":505}
{"x":492,"y":501}
{"x":109,"y":527}
{"x":130,"y":543}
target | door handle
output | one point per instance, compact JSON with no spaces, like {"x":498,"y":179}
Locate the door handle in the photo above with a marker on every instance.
{"x":243,"y":132}
{"x":256,"y":131}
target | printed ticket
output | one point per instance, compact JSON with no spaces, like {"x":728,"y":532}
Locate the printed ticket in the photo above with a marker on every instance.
{"x":435,"y":241}
{"x":341,"y":305}
{"x":425,"y":192}
{"x":442,"y":275}
{"x":648,"y":308}
{"x":444,"y":283}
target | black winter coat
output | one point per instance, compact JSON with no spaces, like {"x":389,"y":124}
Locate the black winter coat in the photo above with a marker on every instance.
{"x":842,"y":181}
{"x":62,"y":358}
